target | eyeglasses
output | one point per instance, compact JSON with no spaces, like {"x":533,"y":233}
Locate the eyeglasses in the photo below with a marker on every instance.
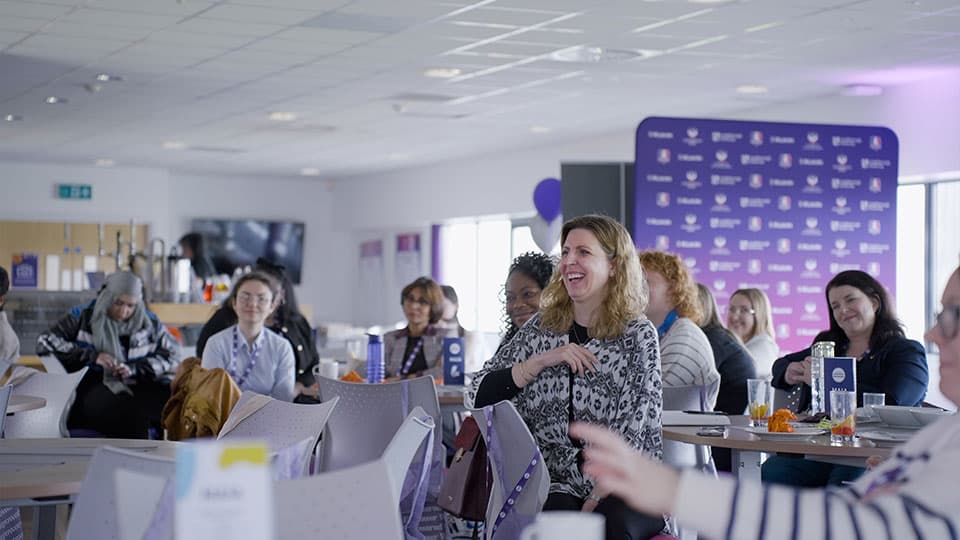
{"x":741,"y":310}
{"x":948,"y":321}
{"x":251,"y":300}
{"x":414,"y":300}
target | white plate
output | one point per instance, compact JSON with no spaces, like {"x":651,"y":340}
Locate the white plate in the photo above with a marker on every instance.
{"x":898,"y":416}
{"x":884,"y":438}
{"x":928,"y":415}
{"x":798,"y":433}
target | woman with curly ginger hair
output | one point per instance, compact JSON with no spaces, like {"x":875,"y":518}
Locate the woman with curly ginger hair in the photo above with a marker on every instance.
{"x":588,"y":355}
{"x":685,"y":353}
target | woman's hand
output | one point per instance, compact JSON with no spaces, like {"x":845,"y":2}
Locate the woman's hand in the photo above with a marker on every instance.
{"x":798,"y":372}
{"x":106,"y":361}
{"x":123,"y":371}
{"x":593,"y":500}
{"x":576,"y":357}
{"x":618,"y":469}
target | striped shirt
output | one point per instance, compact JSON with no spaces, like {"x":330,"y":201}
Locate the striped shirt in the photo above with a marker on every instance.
{"x":687,"y":358}
{"x":912,"y":495}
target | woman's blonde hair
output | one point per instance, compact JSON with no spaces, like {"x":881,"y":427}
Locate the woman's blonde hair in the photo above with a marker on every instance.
{"x":626,"y":294}
{"x":762,"y":312}
{"x":680,"y":285}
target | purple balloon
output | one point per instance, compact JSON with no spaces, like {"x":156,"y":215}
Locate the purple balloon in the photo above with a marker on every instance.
{"x":546,"y":198}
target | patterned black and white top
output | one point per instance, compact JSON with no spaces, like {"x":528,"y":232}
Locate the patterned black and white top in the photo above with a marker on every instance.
{"x":625,"y":395}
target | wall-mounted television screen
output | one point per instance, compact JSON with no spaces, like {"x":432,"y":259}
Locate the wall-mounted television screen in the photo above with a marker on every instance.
{"x":239,"y":242}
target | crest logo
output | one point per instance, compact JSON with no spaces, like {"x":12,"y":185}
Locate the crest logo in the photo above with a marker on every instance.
{"x":873,"y":268}
{"x":873,"y":226}
{"x":754,"y":266}
{"x":720,"y":198}
{"x":663,"y":242}
{"x":813,"y":137}
{"x":690,"y":219}
{"x":786,"y":161}
{"x":754,"y":223}
{"x":875,"y":185}
{"x":810,"y":307}
{"x":810,"y":264}
{"x":876,"y":142}
{"x":840,"y":243}
{"x":663,"y":199}
{"x":783,"y":288}
{"x":783,"y":245}
{"x":756,"y":138}
{"x":842,"y":159}
{"x":719,"y":284}
{"x":663,"y":155}
{"x":841,"y":201}
{"x":783,"y":331}
{"x":813,"y":180}
{"x":721,"y":155}
{"x":756,"y":181}
{"x":691,"y":175}
{"x":812,"y":222}
{"x":719,"y":241}
{"x":692,"y":132}
{"x":784,"y":202}
{"x":690,"y":262}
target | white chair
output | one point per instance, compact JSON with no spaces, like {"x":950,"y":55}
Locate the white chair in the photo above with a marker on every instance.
{"x":355,"y":503}
{"x":281,"y":424}
{"x":52,"y":364}
{"x":49,"y":421}
{"x":96,"y":512}
{"x":516,"y":448}
{"x":5,"y":392}
{"x":10,"y":526}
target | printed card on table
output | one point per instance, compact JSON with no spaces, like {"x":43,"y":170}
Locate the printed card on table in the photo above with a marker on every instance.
{"x":839,"y":373}
{"x":453,"y":361}
{"x":223,"y":491}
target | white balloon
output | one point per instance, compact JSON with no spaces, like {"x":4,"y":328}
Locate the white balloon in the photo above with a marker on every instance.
{"x":546,"y":235}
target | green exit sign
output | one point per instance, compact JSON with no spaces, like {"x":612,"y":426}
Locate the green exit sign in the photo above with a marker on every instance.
{"x":75,"y":191}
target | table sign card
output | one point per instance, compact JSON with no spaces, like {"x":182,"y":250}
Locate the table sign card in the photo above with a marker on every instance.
{"x":223,"y":491}
{"x":25,"y":272}
{"x":839,"y":373}
{"x":453,"y":361}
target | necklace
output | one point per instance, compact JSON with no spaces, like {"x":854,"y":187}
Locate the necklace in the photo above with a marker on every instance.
{"x":254,"y":355}
{"x":576,"y":335}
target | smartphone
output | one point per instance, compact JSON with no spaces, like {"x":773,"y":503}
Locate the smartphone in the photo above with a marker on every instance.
{"x":715,"y":413}
{"x":712,"y":431}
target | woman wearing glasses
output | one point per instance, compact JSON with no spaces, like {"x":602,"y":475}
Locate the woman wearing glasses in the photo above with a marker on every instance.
{"x":416,"y":349}
{"x":257,"y":359}
{"x":913,"y":494}
{"x":750,"y":317}
{"x":130,"y":356}
{"x":862,"y":325}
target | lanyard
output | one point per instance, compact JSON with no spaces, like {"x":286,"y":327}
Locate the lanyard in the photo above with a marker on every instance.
{"x":413,"y":354}
{"x":254,"y":356}
{"x":667,"y":323}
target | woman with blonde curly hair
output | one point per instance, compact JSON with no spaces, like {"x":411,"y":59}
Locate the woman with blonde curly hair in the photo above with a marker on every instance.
{"x":588,"y":355}
{"x":685,"y":353}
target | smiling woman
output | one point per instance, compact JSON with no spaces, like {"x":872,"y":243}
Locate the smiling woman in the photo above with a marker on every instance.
{"x":417,"y":349}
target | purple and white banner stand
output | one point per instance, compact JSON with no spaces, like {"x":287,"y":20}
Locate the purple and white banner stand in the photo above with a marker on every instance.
{"x":780,"y":207}
{"x":407,"y":259}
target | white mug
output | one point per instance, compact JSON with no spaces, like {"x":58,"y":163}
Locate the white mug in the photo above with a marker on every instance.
{"x":327,"y":367}
{"x":566,"y":525}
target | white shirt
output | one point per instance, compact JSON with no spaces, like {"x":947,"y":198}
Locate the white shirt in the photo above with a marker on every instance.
{"x":764,"y":351}
{"x":272,"y":375}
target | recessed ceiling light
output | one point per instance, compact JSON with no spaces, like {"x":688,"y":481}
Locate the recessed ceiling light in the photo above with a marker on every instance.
{"x":586,"y":54}
{"x":174,"y":145}
{"x":862,"y":90}
{"x":442,"y":73}
{"x":752,"y":89}
{"x":103,"y":162}
{"x":765,"y":26}
{"x":12,"y":118}
{"x":539,"y":129}
{"x":52,"y":100}
{"x":310,"y":171}
{"x":106,"y":77}
{"x":282,"y":116}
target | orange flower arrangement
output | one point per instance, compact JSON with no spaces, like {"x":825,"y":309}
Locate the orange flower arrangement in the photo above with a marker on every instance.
{"x":780,"y":421}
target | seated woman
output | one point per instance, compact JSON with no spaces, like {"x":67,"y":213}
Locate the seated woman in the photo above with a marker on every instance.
{"x":285,"y":320}
{"x":9,"y":342}
{"x":417,"y":349}
{"x":256,"y":358}
{"x":588,"y":355}
{"x":913,"y":494}
{"x":474,"y":349}
{"x":862,"y":325}
{"x":131,"y":357}
{"x":733,"y":363}
{"x":528,"y":276}
{"x":750,"y":317}
{"x":685,"y":353}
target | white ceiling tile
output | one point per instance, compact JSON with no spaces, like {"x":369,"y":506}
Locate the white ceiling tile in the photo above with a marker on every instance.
{"x":85,"y":30}
{"x":186,"y":8}
{"x":229,"y":28}
{"x":32,"y":10}
{"x":180,"y":39}
{"x":257,"y":14}
{"x":324,"y":35}
{"x":111,"y":17}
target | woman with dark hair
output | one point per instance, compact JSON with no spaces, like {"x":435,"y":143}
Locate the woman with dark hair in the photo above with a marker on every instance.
{"x":255,"y":357}
{"x":733,"y":363}
{"x":528,"y":276}
{"x":194,"y":247}
{"x":130,"y":356}
{"x":417,"y":349}
{"x":589,"y":354}
{"x":862,"y":325}
{"x":285,"y":320}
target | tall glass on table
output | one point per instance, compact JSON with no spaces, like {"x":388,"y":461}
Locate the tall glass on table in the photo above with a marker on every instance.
{"x":819,"y":351}
{"x":759,"y":401}
{"x":843,"y":416}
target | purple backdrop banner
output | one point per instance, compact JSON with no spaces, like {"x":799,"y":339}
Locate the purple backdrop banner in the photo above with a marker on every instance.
{"x":780,"y":207}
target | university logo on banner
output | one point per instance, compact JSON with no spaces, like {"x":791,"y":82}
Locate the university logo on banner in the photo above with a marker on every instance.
{"x":875,"y":185}
{"x":663,"y":155}
{"x":756,"y":138}
{"x":785,"y":160}
{"x":663,"y":199}
{"x":876,"y":143}
{"x":756,"y":180}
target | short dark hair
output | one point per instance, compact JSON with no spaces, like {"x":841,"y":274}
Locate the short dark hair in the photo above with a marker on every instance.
{"x":431,"y":291}
{"x":450,"y":294}
{"x":536,"y":266}
{"x":885,"y":325}
{"x":4,"y":283}
{"x":195,"y":242}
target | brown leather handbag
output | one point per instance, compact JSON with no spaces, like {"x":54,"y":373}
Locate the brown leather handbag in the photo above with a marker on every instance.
{"x":465,"y":489}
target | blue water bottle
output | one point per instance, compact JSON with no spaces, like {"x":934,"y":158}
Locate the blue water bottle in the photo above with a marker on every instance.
{"x":375,"y":366}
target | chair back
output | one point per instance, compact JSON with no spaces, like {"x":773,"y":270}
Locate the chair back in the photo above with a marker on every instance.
{"x":362,"y":426}
{"x":406,"y":445}
{"x":52,"y":364}
{"x":510,"y":450}
{"x":5,"y":392}
{"x":96,"y":511}
{"x":283,"y":425}
{"x":49,"y":421}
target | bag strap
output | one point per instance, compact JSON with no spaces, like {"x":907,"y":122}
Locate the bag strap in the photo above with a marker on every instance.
{"x":420,"y":471}
{"x":494,"y":452}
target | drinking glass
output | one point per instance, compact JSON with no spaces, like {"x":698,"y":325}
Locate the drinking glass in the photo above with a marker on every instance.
{"x":843,"y":416}
{"x":871,"y":400}
{"x":759,"y":401}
